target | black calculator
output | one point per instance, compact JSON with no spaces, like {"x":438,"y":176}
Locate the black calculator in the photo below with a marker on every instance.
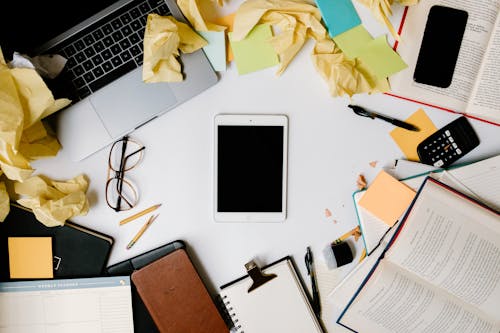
{"x":448,"y":144}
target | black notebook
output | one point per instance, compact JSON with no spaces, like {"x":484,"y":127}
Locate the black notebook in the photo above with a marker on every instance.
{"x":78,"y":251}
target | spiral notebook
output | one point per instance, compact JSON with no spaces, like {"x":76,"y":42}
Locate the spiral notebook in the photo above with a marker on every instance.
{"x":278,"y":305}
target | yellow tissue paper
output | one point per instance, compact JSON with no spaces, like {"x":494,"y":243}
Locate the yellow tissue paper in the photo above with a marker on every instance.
{"x":54,"y":202}
{"x":343,"y":75}
{"x":13,"y":164}
{"x":35,"y":97}
{"x":296,"y":20}
{"x":4,"y":202}
{"x":36,"y":143}
{"x":193,"y":13}
{"x":381,"y":9}
{"x":25,"y":100}
{"x":163,"y":38}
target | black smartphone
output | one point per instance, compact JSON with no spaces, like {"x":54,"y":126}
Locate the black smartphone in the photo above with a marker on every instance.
{"x":440,"y":46}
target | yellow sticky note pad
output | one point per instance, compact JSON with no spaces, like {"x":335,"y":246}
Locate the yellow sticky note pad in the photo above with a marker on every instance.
{"x":30,"y":257}
{"x":409,"y":140}
{"x":387,"y":198}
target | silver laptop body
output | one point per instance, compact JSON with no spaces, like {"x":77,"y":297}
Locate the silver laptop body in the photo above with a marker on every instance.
{"x":121,"y":106}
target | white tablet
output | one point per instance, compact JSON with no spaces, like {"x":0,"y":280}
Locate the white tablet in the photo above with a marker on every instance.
{"x":250,"y":168}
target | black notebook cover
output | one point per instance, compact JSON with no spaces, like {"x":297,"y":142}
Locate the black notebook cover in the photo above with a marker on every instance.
{"x":78,"y":251}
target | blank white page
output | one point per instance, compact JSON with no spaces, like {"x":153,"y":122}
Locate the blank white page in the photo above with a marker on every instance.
{"x":280,"y":305}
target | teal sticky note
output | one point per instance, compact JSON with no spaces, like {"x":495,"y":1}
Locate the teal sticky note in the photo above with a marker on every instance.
{"x":216,"y":48}
{"x":338,"y":15}
{"x":254,"y":52}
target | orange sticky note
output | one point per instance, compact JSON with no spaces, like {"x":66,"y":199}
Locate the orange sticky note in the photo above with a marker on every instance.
{"x":387,"y":198}
{"x":409,"y":140}
{"x":227,"y":21}
{"x":30,"y":257}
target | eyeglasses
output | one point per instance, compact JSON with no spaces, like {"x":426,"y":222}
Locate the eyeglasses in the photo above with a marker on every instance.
{"x":121,"y":193}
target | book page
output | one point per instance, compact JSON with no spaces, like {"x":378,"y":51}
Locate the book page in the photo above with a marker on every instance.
{"x":482,"y":179}
{"x":391,"y":301}
{"x":481,"y":19}
{"x":485,"y":98}
{"x":453,"y":244}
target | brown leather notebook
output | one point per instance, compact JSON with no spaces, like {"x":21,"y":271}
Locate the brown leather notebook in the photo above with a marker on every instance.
{"x":176,"y":297}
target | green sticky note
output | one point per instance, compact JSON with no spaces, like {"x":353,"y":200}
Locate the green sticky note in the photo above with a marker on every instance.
{"x":380,"y":58}
{"x":216,"y":48}
{"x":254,"y":52}
{"x":353,"y":41}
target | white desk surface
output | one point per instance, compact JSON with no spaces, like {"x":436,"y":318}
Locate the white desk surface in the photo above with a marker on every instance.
{"x":328,"y":147}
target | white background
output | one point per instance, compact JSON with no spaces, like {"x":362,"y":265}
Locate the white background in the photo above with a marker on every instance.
{"x":328,"y":147}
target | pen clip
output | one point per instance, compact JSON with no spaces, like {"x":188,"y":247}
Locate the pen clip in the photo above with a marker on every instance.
{"x":362,"y":112}
{"x":308,"y":260}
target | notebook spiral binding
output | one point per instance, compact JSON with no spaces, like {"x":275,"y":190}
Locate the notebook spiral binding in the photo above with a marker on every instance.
{"x":230,"y":315}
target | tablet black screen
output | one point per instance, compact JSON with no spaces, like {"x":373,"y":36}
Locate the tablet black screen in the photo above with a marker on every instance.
{"x":250,"y":168}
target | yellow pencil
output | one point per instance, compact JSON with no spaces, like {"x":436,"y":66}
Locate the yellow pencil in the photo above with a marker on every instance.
{"x":144,"y":212}
{"x":141,"y":231}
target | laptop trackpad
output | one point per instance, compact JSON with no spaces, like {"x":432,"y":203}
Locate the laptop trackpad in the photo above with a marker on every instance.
{"x":129,"y":102}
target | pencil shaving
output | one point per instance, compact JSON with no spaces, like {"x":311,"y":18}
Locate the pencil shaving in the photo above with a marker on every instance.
{"x":373,"y":164}
{"x":328,"y":213}
{"x":361,"y":182}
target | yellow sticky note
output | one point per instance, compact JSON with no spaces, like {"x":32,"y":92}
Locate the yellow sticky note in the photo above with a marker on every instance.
{"x":409,"y":140}
{"x":254,"y":52}
{"x":387,"y":198}
{"x":352,"y":41}
{"x":227,"y":21}
{"x":382,"y":60}
{"x":30,"y":257}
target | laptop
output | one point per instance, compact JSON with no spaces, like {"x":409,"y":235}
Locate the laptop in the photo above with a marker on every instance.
{"x":103,"y":42}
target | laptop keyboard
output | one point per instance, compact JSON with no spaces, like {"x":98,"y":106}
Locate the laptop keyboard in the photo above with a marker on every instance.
{"x":110,"y":48}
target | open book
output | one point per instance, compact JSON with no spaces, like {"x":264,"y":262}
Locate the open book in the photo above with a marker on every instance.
{"x":475,"y":89}
{"x":479,"y":180}
{"x":439,"y":272}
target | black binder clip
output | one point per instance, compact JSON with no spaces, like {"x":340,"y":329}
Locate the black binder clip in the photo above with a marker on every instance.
{"x":257,"y":276}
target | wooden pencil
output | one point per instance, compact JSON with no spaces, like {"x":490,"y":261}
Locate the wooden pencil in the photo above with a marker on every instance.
{"x":141,"y":213}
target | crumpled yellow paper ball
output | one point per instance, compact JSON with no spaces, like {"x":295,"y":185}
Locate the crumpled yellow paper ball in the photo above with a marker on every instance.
{"x":194,"y":13}
{"x":54,"y":202}
{"x":381,"y":9}
{"x":25,"y":100}
{"x":344,"y":76}
{"x":295,"y":19}
{"x":163,"y":38}
{"x":298,"y":20}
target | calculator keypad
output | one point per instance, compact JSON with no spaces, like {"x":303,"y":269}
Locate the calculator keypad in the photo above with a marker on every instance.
{"x":443,"y":149}
{"x":448,"y":144}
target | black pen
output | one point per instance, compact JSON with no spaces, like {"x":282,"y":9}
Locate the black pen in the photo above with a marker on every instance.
{"x":310,"y":271}
{"x":365,"y":113}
